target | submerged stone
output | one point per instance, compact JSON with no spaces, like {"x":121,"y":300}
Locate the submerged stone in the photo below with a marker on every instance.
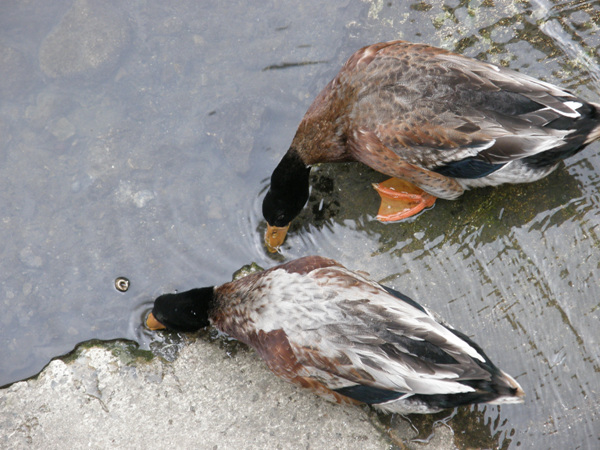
{"x":88,"y":41}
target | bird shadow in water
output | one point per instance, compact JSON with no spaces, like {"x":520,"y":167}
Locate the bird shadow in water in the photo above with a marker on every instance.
{"x":342,"y":194}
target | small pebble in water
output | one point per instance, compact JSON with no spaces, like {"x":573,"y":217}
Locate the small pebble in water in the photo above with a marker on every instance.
{"x":122,"y":284}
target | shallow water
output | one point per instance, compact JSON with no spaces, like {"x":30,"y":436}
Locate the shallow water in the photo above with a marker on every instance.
{"x":149,"y":161}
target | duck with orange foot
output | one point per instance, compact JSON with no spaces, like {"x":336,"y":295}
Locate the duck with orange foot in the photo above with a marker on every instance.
{"x":349,"y":339}
{"x":440,"y":122}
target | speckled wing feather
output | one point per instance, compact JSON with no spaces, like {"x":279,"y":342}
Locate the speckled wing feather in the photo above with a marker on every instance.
{"x":275,"y":349}
{"x":434,"y":108}
{"x":349,"y":331}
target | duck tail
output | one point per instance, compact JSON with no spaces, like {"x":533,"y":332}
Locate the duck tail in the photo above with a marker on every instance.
{"x":508,"y":389}
{"x":595,"y":133}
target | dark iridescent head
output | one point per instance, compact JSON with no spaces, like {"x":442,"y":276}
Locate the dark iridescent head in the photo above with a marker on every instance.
{"x":185,"y":311}
{"x":286,"y":197}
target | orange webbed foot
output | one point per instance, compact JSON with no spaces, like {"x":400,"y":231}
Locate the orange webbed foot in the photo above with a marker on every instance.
{"x":401,"y":199}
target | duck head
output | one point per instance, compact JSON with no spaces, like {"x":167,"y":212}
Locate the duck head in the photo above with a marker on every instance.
{"x":286,"y":197}
{"x":185,"y":311}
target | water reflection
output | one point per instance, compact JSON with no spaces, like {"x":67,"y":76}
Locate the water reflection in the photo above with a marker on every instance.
{"x":136,"y":322}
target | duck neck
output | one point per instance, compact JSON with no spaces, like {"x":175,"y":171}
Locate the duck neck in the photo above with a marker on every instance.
{"x":289,"y":190}
{"x":321,"y":136}
{"x":234,"y":306}
{"x":291,"y":172}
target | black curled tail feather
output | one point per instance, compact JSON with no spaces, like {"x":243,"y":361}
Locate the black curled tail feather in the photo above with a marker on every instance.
{"x":586,"y":129}
{"x":499,"y":385}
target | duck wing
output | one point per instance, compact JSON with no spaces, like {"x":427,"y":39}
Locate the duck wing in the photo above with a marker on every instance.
{"x":389,"y":343}
{"x":458,"y":116}
{"x":349,"y":335}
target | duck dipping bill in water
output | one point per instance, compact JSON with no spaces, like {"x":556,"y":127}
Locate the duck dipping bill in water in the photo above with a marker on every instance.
{"x":349,"y":339}
{"x":436,"y":121}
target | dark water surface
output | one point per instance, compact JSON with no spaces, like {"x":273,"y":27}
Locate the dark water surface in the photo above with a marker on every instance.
{"x":137,"y":140}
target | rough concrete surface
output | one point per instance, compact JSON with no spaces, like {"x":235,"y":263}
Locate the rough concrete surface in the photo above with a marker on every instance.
{"x":101,"y":400}
{"x":107,"y":397}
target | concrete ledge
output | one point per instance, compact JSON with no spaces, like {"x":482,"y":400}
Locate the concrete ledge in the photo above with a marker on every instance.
{"x":106,"y":397}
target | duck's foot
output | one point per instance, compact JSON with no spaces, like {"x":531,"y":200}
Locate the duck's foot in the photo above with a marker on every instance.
{"x":401,"y":199}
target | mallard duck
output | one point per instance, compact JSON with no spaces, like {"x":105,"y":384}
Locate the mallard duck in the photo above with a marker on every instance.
{"x":349,"y":339}
{"x":436,"y":121}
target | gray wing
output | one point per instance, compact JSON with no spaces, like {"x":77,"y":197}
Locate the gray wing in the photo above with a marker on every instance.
{"x":375,"y":339}
{"x":433,"y":107}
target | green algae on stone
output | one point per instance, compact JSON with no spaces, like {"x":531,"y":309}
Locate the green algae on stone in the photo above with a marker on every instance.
{"x":246,"y":270}
{"x":127,"y":351}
